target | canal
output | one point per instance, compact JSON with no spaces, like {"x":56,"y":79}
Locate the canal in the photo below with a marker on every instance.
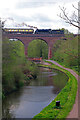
{"x":31,"y":99}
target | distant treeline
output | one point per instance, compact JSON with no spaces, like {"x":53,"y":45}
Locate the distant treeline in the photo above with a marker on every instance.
{"x":38,"y":48}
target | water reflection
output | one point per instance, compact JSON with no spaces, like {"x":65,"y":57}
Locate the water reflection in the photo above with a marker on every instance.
{"x":30,"y":100}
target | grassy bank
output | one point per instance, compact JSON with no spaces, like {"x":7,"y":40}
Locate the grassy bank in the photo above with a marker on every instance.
{"x":74,"y":68}
{"x":66,"y":98}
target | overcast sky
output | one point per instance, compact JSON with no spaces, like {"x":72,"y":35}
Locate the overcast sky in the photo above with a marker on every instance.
{"x":40,"y":13}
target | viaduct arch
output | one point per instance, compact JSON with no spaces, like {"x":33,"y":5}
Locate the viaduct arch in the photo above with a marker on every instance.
{"x":50,"y":39}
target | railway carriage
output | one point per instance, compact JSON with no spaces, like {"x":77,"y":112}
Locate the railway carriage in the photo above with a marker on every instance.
{"x":18,"y":31}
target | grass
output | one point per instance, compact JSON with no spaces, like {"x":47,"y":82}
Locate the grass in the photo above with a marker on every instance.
{"x":74,"y":68}
{"x":66,"y":97}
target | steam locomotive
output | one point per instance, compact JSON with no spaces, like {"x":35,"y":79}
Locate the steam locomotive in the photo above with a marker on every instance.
{"x":49,"y":31}
{"x":31,"y":31}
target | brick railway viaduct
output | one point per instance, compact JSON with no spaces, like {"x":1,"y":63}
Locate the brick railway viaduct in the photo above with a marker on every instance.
{"x":50,"y":39}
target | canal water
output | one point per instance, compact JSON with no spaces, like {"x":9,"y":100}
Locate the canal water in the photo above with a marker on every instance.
{"x":31,"y":99}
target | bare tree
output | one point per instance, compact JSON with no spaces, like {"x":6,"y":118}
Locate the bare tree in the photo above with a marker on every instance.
{"x":74,"y":19}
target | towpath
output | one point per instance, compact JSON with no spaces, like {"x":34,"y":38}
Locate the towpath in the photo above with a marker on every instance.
{"x":74,"y":112}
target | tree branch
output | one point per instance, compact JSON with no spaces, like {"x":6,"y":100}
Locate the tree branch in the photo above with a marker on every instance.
{"x":74,"y":20}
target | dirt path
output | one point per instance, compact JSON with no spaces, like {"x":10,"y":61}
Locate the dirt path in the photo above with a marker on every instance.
{"x":74,"y":111}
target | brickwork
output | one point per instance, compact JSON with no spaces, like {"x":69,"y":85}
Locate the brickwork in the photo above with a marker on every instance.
{"x":27,"y":38}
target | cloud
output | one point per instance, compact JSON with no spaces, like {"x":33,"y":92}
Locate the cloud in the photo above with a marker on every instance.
{"x":40,"y":3}
{"x":33,"y":4}
{"x":40,"y":13}
{"x":38,"y":18}
{"x":41,"y":18}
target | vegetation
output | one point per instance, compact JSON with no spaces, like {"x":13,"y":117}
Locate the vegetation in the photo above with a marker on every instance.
{"x":16,"y":69}
{"x":38,"y":48}
{"x":66,"y":98}
{"x":66,"y":52}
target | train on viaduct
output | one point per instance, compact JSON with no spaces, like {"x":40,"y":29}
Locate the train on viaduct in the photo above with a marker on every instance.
{"x":27,"y":35}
